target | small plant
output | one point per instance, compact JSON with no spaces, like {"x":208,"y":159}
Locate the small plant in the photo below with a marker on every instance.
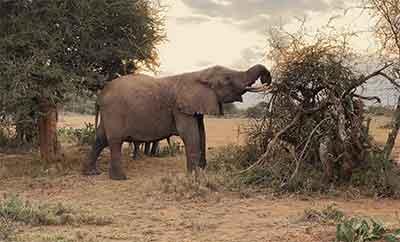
{"x":173,"y":149}
{"x":13,"y":209}
{"x":364,"y":229}
{"x":7,"y":230}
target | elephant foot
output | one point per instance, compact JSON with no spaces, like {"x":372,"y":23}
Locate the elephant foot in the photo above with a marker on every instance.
{"x":91,"y":171}
{"x":117,"y":174}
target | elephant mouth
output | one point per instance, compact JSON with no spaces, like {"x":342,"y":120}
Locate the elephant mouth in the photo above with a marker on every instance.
{"x":266,"y":87}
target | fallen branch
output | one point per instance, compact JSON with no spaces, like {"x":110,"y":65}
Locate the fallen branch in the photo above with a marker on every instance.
{"x":261,"y":160}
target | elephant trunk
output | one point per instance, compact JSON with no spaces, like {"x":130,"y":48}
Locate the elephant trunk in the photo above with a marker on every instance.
{"x":258,"y":71}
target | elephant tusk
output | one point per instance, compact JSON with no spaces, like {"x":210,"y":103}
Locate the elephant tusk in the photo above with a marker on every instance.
{"x":263,"y":88}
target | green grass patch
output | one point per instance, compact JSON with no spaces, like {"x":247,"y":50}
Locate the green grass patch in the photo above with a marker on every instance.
{"x":14,"y":209}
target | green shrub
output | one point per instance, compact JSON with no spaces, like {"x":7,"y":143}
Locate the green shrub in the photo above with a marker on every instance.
{"x":81,"y":136}
{"x":364,"y":229}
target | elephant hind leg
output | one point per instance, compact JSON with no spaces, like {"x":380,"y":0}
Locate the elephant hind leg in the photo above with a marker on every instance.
{"x":115,"y":171}
{"x":136,"y":146}
{"x":202,"y":133}
{"x":147,"y":148}
{"x":154,"y":148}
{"x":90,"y":167}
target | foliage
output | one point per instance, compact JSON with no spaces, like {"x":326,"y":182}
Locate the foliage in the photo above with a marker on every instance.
{"x":230,"y":108}
{"x":12,"y":208}
{"x":364,"y":229}
{"x":80,"y":104}
{"x":377,"y":177}
{"x":257,"y":111}
{"x":171,"y":150}
{"x":51,"y":48}
{"x":82,"y":136}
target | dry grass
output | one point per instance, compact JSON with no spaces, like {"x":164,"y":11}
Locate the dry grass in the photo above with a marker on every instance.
{"x":159,"y":203}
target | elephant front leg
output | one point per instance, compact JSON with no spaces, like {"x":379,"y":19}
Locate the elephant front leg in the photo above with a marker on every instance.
{"x":202,"y":133}
{"x":90,"y":168}
{"x":115,"y":171}
{"x":188,"y":130}
{"x":135,"y":150}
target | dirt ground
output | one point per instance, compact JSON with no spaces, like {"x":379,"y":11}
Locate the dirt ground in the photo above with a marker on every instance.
{"x":143,"y":208}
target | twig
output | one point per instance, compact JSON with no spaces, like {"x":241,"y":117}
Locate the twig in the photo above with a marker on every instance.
{"x":391,"y":80}
{"x":366,"y":78}
{"x":377,"y":99}
{"x":272,"y":143}
{"x":298,"y":161}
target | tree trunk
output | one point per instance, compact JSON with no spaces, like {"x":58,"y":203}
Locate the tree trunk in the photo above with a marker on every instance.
{"x":393,"y":132}
{"x":48,"y":131}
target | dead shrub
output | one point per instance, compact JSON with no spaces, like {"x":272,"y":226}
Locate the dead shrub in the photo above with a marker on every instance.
{"x":311,"y":135}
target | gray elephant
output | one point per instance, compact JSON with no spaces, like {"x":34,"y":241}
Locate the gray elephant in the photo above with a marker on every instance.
{"x":142,"y":108}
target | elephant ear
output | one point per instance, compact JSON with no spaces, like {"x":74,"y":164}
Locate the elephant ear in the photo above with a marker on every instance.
{"x":197,"y":97}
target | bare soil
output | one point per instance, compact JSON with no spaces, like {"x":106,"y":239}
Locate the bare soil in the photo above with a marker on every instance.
{"x":144,"y":208}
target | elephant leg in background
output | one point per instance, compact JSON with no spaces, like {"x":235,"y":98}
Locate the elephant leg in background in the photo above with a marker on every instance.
{"x":147,"y":148}
{"x":90,"y":167}
{"x":115,"y":170}
{"x":169,"y":145}
{"x":202,"y":133}
{"x":136,"y":146}
{"x":188,"y":130}
{"x":154,"y":148}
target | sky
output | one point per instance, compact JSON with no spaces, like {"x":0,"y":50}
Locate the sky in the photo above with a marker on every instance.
{"x":233,"y":33}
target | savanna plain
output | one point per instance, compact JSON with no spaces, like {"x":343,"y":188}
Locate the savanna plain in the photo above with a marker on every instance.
{"x":159,"y":202}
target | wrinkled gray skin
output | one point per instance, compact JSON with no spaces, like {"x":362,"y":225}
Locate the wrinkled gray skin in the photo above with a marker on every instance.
{"x":143,"y":108}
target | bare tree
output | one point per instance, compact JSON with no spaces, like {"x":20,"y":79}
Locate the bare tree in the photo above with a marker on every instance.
{"x":386,"y":13}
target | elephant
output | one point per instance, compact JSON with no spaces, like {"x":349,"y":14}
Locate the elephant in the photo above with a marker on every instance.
{"x":139,"y":107}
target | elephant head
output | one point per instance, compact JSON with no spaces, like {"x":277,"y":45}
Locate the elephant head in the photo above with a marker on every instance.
{"x":204,"y":92}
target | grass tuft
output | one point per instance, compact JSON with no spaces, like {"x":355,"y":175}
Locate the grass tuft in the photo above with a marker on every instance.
{"x":14,"y":209}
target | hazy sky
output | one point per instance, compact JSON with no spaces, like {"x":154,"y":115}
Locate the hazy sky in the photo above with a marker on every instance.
{"x":232,"y":33}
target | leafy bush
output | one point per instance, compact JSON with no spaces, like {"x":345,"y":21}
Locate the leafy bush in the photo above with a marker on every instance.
{"x":13,"y":209}
{"x":257,"y":111}
{"x":364,"y":229}
{"x":232,"y":158}
{"x":377,"y":177}
{"x":81,"y":136}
